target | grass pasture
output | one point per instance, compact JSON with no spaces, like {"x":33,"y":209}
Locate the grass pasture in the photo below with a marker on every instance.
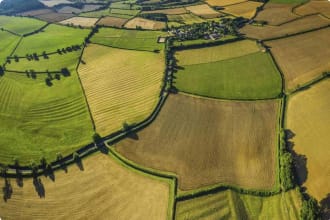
{"x":52,"y":38}
{"x":300,"y":25}
{"x":105,"y":189}
{"x":228,"y":71}
{"x":54,"y":17}
{"x":302,"y":58}
{"x":51,"y":3}
{"x":7,"y":45}
{"x":313,"y":7}
{"x":224,"y":2}
{"x":223,"y":141}
{"x":36,"y":12}
{"x":308,"y":118}
{"x":112,"y":21}
{"x":20,"y":25}
{"x":124,"y":5}
{"x":231,"y":205}
{"x":203,"y":10}
{"x":80,"y":21}
{"x":245,"y":9}
{"x":129,"y":39}
{"x":72,"y":10}
{"x":145,"y":24}
{"x":124,"y":11}
{"x":170,"y":11}
{"x":120,"y":86}
{"x":177,"y":20}
{"x":276,"y":14}
{"x":38,"y":120}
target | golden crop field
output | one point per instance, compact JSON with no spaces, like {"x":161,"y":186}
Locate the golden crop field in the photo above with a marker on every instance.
{"x":245,"y":9}
{"x":308,"y":118}
{"x":300,"y":25}
{"x":216,"y":53}
{"x":208,"y":141}
{"x":276,"y":14}
{"x":112,"y":21}
{"x":105,"y":189}
{"x":223,"y":2}
{"x":313,"y":7}
{"x":303,"y":57}
{"x":82,"y":21}
{"x":120,"y":85}
{"x":145,"y":24}
{"x":203,"y":10}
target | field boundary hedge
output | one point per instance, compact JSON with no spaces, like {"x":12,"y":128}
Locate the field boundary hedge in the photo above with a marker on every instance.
{"x":203,"y":45}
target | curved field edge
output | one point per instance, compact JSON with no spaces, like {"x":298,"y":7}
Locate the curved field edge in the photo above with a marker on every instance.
{"x":106,"y":166}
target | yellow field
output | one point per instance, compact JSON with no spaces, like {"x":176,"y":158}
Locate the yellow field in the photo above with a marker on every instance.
{"x":203,"y":10}
{"x":216,"y":53}
{"x":309,"y":119}
{"x":145,"y":24}
{"x":223,"y":2}
{"x":82,"y":21}
{"x":276,"y":14}
{"x":313,"y":7}
{"x":207,"y":141}
{"x":300,"y":25}
{"x":244,"y":9}
{"x":120,"y":85}
{"x":303,"y":57}
{"x":106,"y":189}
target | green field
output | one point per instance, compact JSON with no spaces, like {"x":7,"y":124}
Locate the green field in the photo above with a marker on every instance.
{"x":52,"y":38}
{"x":37,"y":120}
{"x":124,"y":11}
{"x":8,"y":43}
{"x":129,"y":39}
{"x":20,"y":25}
{"x":105,"y":12}
{"x":55,"y":62}
{"x":252,"y":76}
{"x":178,"y":20}
{"x":124,"y":5}
{"x":231,"y":205}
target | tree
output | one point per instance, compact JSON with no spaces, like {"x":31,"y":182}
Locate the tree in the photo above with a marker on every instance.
{"x":97,"y":138}
{"x":310,"y":209}
{"x":34,"y":168}
{"x":286,"y":171}
{"x":2,"y":71}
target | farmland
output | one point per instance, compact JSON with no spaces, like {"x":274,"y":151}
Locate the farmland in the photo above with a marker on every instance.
{"x":51,"y":3}
{"x":145,"y":24}
{"x":80,"y":21}
{"x":112,"y":21}
{"x":7,"y":44}
{"x":276,"y":14}
{"x":308,"y":118}
{"x":20,"y":25}
{"x":117,"y":192}
{"x":228,"y":72}
{"x":177,"y":20}
{"x":223,"y":2}
{"x":132,"y":87}
{"x":313,"y":7}
{"x":245,"y":9}
{"x":52,"y":38}
{"x":302,"y":58}
{"x":129,"y":39}
{"x":300,"y":25}
{"x":213,"y":140}
{"x":120,"y":13}
{"x":204,"y":11}
{"x":231,"y":205}
{"x":171,"y":11}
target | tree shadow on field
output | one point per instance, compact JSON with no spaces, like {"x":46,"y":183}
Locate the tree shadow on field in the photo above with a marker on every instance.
{"x":133,"y":135}
{"x":102,"y":148}
{"x":325,"y":207}
{"x":80,"y":164}
{"x":19,"y":178}
{"x":39,"y":187}
{"x":7,"y":190}
{"x":299,"y":160}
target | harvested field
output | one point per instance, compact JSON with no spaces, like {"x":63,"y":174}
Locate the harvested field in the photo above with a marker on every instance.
{"x":112,"y":22}
{"x":7,"y":45}
{"x":120,"y":85}
{"x":36,"y":12}
{"x":313,"y":7}
{"x":300,"y":25}
{"x":52,"y":38}
{"x":54,"y":16}
{"x":224,"y":2}
{"x":20,"y":25}
{"x":145,"y":24}
{"x":203,"y":10}
{"x":245,"y":9}
{"x":177,"y":20}
{"x":51,"y":3}
{"x":105,"y":189}
{"x":170,"y":11}
{"x":302,"y":58}
{"x":231,"y":205}
{"x":80,"y":21}
{"x":308,"y":118}
{"x":276,"y":14}
{"x":228,"y":142}
{"x":129,"y":39}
